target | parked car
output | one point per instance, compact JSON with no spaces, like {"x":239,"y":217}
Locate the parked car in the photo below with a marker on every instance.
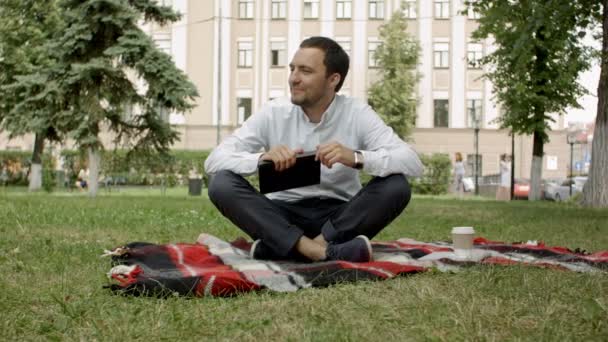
{"x":521,"y":189}
{"x":561,"y":191}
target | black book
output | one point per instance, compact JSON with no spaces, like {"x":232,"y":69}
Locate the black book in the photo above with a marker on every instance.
{"x":306,"y":171}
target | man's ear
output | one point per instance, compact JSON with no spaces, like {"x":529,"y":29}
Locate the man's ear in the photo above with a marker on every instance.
{"x":334,"y":79}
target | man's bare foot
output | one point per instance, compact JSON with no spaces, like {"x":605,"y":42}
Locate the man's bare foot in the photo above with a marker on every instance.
{"x":319,"y":239}
{"x":310,"y":249}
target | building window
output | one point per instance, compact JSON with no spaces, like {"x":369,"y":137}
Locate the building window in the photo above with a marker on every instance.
{"x":442,"y":9}
{"x":441,"y":113}
{"x":474,"y":112}
{"x":471,"y":165}
{"x":245,"y":9}
{"x":245,"y":51}
{"x":277,"y":54}
{"x":163,"y":42}
{"x":474,"y":55}
{"x":311,"y":9}
{"x":279,"y":9}
{"x":409,"y":9}
{"x":441,"y":55}
{"x":243,"y":108}
{"x":376,"y":9}
{"x":472,"y":14}
{"x":371,"y":53}
{"x":343,"y":9}
{"x":345,"y":44}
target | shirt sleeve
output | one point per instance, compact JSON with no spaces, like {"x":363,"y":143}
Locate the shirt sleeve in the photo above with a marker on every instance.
{"x":241,"y":151}
{"x":384,"y":153}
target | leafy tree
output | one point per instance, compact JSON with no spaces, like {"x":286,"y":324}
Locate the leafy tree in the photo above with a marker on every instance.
{"x":595,"y":192}
{"x":393,"y":95}
{"x":538,"y":57}
{"x":100,"y":55}
{"x":25,"y":26}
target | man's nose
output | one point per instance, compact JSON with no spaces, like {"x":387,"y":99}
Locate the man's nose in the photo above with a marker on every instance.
{"x":293,"y":78}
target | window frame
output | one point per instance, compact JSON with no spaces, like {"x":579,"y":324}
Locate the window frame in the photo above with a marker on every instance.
{"x":163,"y":42}
{"x":341,"y":14}
{"x":441,"y":9}
{"x":240,"y":120}
{"x":314,"y":8}
{"x":346,"y":45}
{"x":244,"y":56}
{"x":281,"y":54}
{"x":408,"y":5}
{"x":444,"y":55}
{"x":281,"y":9}
{"x":371,"y":53}
{"x":435,"y":113}
{"x":378,"y":12}
{"x":246,"y":9}
{"x":474,"y":55}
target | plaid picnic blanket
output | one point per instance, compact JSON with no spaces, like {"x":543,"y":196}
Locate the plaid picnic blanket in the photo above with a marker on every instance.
{"x":213,"y":267}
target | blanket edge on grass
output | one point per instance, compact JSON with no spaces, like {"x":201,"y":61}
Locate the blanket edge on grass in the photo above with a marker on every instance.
{"x":214,"y":267}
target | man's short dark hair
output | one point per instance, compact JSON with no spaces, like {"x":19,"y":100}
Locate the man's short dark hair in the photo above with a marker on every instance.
{"x":336,"y":60}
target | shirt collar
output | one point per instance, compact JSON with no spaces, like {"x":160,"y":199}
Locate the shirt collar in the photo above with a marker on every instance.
{"x":327,"y":115}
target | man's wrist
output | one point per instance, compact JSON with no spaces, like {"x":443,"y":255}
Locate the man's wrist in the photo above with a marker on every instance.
{"x":358,"y":160}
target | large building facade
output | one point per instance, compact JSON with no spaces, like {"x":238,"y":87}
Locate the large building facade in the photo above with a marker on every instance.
{"x":237,"y":53}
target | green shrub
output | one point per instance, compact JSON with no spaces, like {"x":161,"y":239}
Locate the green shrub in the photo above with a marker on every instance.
{"x":15,"y":168}
{"x":436,"y":177}
{"x":169,"y":170}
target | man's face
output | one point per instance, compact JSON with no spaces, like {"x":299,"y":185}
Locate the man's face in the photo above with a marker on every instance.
{"x":307,"y":80}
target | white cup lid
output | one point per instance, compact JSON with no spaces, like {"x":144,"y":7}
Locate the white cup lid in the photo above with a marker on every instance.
{"x":463,"y":230}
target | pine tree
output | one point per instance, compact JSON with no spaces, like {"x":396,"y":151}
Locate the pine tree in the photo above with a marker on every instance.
{"x":25,"y":27}
{"x":99,"y":57}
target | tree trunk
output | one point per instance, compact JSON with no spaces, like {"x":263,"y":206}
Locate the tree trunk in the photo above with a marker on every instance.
{"x":537,"y":168}
{"x":35,"y":179}
{"x":94,"y":166}
{"x":540,"y":68}
{"x":595,"y":192}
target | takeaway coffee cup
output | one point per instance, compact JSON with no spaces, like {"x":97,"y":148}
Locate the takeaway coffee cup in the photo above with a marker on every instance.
{"x":462,"y":237}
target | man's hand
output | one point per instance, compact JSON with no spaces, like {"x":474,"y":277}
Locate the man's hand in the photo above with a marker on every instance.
{"x":282,"y":156}
{"x":333,"y":152}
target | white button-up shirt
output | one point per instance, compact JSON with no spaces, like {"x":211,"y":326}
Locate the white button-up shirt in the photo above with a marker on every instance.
{"x":348,"y":121}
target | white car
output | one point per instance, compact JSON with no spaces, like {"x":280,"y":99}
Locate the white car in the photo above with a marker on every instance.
{"x":560,"y":191}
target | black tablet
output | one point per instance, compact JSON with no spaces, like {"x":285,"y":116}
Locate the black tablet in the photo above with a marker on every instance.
{"x":305,"y":172}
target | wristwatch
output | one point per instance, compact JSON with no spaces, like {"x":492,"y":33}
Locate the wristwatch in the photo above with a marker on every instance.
{"x":358,"y":160}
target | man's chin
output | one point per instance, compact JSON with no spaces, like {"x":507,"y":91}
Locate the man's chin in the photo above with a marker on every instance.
{"x":297,"y":101}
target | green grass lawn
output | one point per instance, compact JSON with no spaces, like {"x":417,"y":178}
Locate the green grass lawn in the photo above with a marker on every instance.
{"x":52,"y":277}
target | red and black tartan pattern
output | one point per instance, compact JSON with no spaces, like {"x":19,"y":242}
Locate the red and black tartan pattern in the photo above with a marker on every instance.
{"x":216,"y":268}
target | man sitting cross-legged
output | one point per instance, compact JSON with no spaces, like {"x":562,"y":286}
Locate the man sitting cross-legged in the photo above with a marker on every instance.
{"x":335,"y":219}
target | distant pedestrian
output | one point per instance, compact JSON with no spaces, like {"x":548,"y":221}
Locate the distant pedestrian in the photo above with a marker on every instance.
{"x":459,"y":175}
{"x":4,"y":175}
{"x":82,"y":180}
{"x":503,"y":193}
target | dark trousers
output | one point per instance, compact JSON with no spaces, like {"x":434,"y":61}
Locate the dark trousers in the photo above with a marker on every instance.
{"x":281,"y":224}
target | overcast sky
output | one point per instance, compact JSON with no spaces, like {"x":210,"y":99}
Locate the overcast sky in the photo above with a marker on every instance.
{"x":590,"y":80}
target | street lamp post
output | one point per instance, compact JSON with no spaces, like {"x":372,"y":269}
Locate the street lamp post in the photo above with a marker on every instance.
{"x":476,"y":144}
{"x":512,"y":164}
{"x":571,"y":139}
